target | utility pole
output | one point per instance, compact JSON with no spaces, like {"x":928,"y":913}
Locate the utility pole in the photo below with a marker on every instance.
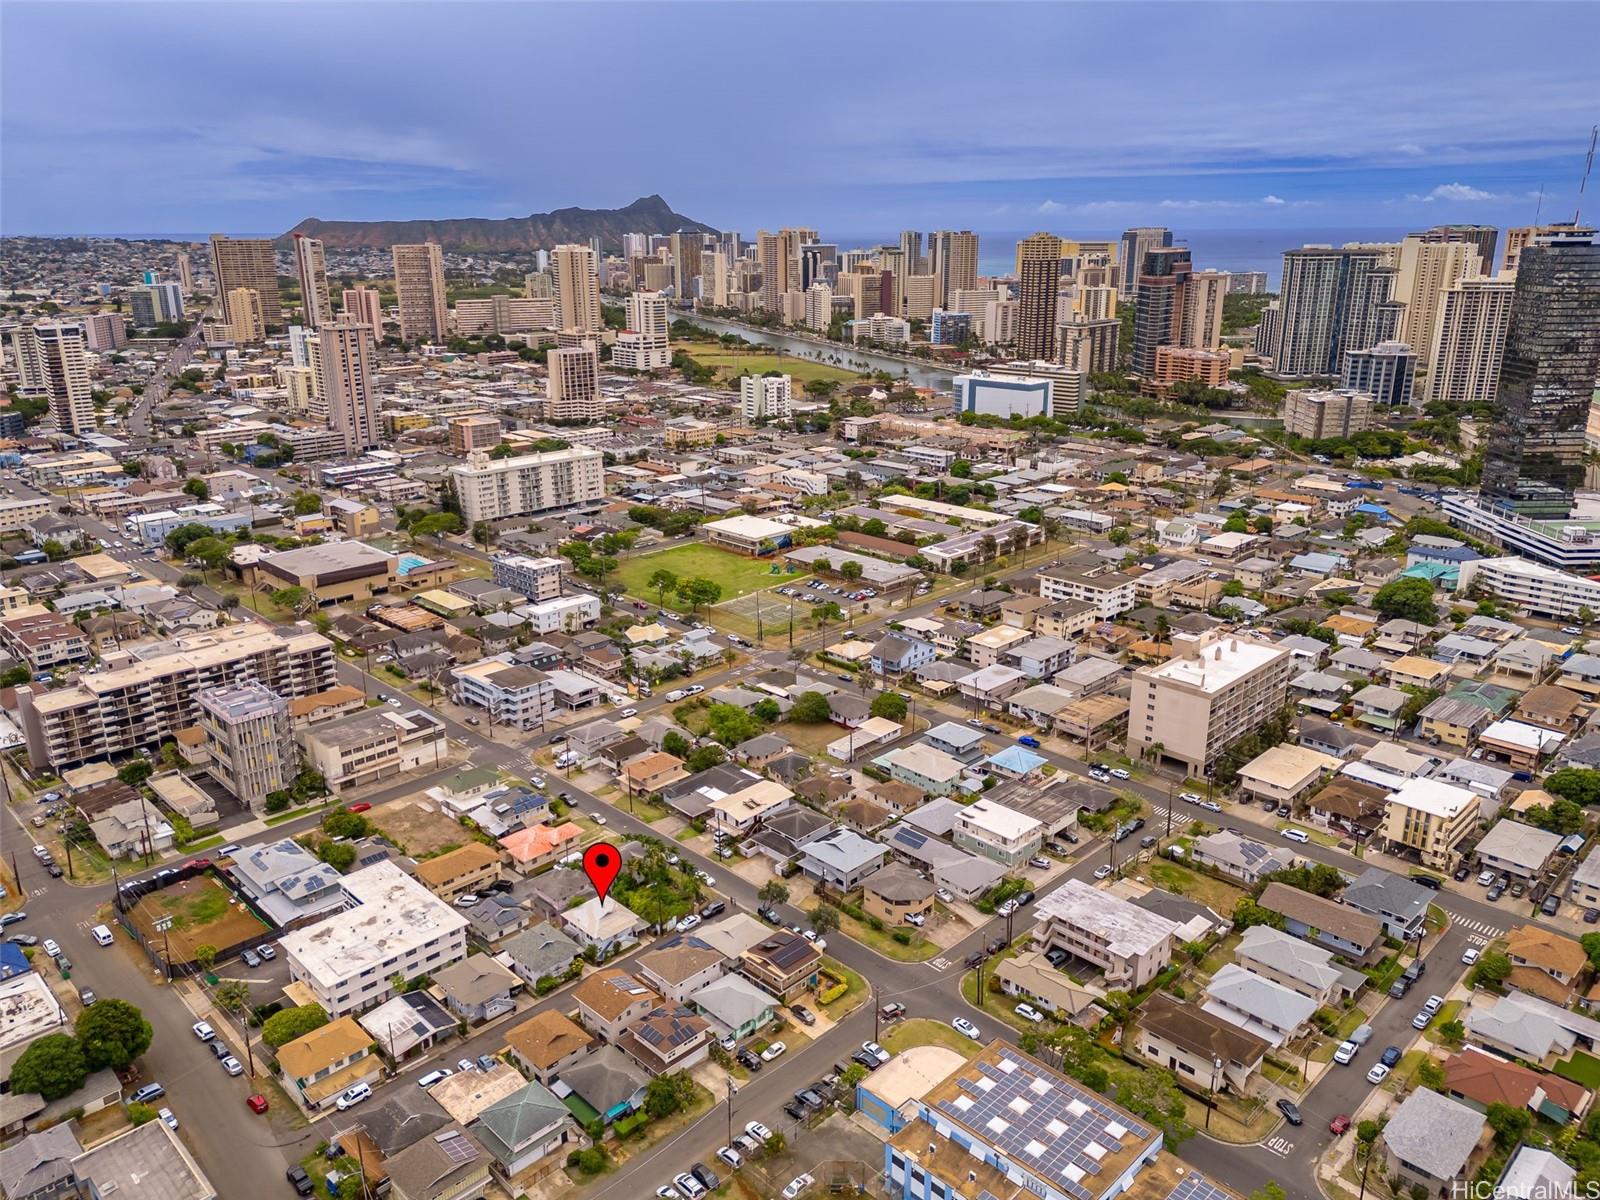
{"x":732,"y":1089}
{"x":1170,"y":786}
{"x":1211,"y":1098}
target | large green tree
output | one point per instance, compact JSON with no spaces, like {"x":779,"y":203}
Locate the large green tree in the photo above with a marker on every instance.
{"x":811,"y":709}
{"x":283,"y":1027}
{"x":113,"y":1033}
{"x":52,"y":1065}
{"x":1407,"y":598}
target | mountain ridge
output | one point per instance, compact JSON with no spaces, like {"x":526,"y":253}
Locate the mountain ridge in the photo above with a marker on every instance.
{"x":647,"y":214}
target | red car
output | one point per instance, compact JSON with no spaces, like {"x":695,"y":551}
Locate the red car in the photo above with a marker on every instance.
{"x":257,"y":1103}
{"x":358,"y":808}
{"x":197,"y":864}
{"x":1339,"y":1125}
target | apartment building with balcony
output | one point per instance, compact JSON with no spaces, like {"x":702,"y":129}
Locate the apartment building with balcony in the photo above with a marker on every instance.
{"x":491,"y":489}
{"x":1212,"y":692}
{"x":249,"y":741}
{"x":1429,"y":818}
{"x":1129,"y":944}
{"x":139,"y":703}
{"x":391,"y":926}
{"x":375,"y":745}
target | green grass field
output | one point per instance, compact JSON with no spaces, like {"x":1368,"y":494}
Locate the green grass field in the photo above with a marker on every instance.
{"x":739,"y":576}
{"x":732,"y":363}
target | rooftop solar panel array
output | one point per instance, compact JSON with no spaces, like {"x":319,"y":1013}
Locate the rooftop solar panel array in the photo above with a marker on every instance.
{"x":1044,"y":1124}
{"x":1195,"y":1186}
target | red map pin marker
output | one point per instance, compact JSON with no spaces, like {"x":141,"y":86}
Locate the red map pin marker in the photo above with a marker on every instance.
{"x":601,"y":862}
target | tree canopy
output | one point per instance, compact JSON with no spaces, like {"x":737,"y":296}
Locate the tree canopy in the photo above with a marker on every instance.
{"x":811,"y":708}
{"x":53,"y":1066}
{"x":113,"y":1033}
{"x":284,"y":1026}
{"x":1408,"y":599}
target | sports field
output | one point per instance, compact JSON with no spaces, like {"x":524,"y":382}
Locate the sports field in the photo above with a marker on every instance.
{"x":732,"y":362}
{"x":737,"y":575}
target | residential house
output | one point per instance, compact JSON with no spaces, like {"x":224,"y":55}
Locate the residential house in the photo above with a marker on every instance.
{"x":470,"y":868}
{"x":610,"y":1000}
{"x":1399,"y":903}
{"x":1030,"y":976}
{"x":1544,"y":963}
{"x":681,"y":966}
{"x":648,"y":774}
{"x":841,"y":859}
{"x":1285,"y":774}
{"x":525,"y":1127}
{"x":1211,"y":1052}
{"x":895,"y":893}
{"x":998,"y":833}
{"x":317,"y":1066}
{"x":450,"y":1164}
{"x":540,"y":952}
{"x":1241,"y":858}
{"x":1523,"y":851}
{"x":672,"y":1038}
{"x":895,"y":654}
{"x":1356,"y":935}
{"x":478,"y":988}
{"x":1430,"y":1140}
{"x":547,"y":1043}
{"x":1296,"y":964}
{"x":1348,"y":806}
{"x":1258,"y":1005}
{"x":783,"y":965}
{"x":930,"y":771}
{"x":609,"y":1082}
{"x":538,"y":846}
{"x":607,"y":925}
{"x":1479,"y":1079}
{"x":735,"y":1007}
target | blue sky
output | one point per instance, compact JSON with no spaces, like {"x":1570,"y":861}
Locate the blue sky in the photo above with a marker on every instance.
{"x":856,"y":119}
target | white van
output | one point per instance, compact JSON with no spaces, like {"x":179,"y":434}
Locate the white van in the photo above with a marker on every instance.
{"x":1297,"y":835}
{"x":102,"y":935}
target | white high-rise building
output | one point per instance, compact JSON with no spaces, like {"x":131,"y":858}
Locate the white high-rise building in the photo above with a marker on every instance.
{"x":766,"y":397}
{"x":311,"y":265}
{"x":572,"y":392}
{"x":492,"y":488}
{"x":52,"y":360}
{"x":348,"y":368}
{"x":819,"y":307}
{"x":1427,"y":270}
{"x":1469,"y":340}
{"x":635,"y":245}
{"x":575,"y":280}
{"x":642,"y":346}
{"x":420,"y":292}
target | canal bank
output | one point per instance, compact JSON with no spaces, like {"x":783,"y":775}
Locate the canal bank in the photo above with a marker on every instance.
{"x":837,"y":354}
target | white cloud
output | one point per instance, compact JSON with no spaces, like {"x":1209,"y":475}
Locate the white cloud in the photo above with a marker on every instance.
{"x":1457,"y":192}
{"x":1410,"y":150}
{"x":1052,"y":206}
{"x":1269,"y":199}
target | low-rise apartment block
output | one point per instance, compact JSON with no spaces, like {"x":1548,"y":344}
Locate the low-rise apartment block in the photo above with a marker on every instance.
{"x":391,"y":926}
{"x":1430,"y":819}
{"x":1129,"y":944}
{"x":375,"y":745}
{"x":535,"y":578}
{"x":1110,"y":594}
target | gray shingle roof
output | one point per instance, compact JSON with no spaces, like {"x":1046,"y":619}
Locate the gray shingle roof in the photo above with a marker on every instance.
{"x":1434,"y":1133}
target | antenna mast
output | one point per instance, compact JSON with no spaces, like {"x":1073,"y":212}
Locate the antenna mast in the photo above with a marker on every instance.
{"x":1588,"y":166}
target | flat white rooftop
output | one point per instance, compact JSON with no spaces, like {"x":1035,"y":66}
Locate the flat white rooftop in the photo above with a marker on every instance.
{"x":1434,"y":797}
{"x":1218,"y":665}
{"x":1128,"y":930}
{"x":392,"y":915}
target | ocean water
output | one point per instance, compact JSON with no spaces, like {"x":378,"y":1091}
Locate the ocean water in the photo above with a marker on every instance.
{"x":1259,"y":249}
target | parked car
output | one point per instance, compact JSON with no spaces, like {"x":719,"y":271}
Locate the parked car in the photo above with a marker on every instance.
{"x":147,"y":1093}
{"x":775,"y":1050}
{"x":689,"y":1186}
{"x":1345,"y":1053}
{"x":962,"y":1025}
{"x":353,"y":1096}
{"x":1551,"y":905}
{"x":1470,"y":955}
{"x":251,"y":958}
{"x":706,"y":1176}
{"x":257,"y":1103}
{"x":877,"y":1052}
{"x":732,"y":1157}
{"x":1027,"y":739}
{"x":203,"y":1031}
{"x":232,"y":1065}
{"x":1378,"y":1073}
{"x":797,"y":1185}
{"x":1029,"y":1013}
{"x":803,"y":1014}
{"x":433,"y":1077}
{"x":758,"y":1131}
{"x":296,"y":1175}
{"x":1290,"y":1111}
{"x":1039,"y":862}
{"x":1339,"y":1125}
{"x":749,"y":1060}
{"x":266,"y":951}
{"x":892,"y":1012}
{"x":1102,"y":872}
{"x":1390,"y":1056}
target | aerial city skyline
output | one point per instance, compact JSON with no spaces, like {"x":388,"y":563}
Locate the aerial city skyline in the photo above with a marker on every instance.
{"x":925,"y":601}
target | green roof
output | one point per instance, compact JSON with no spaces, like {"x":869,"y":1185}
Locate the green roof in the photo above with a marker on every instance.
{"x":472,"y":777}
{"x":520,"y":1116}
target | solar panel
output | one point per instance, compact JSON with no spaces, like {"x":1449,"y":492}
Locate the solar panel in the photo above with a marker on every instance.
{"x":1195,"y":1186}
{"x":455,"y":1146}
{"x":1063,"y":1143}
